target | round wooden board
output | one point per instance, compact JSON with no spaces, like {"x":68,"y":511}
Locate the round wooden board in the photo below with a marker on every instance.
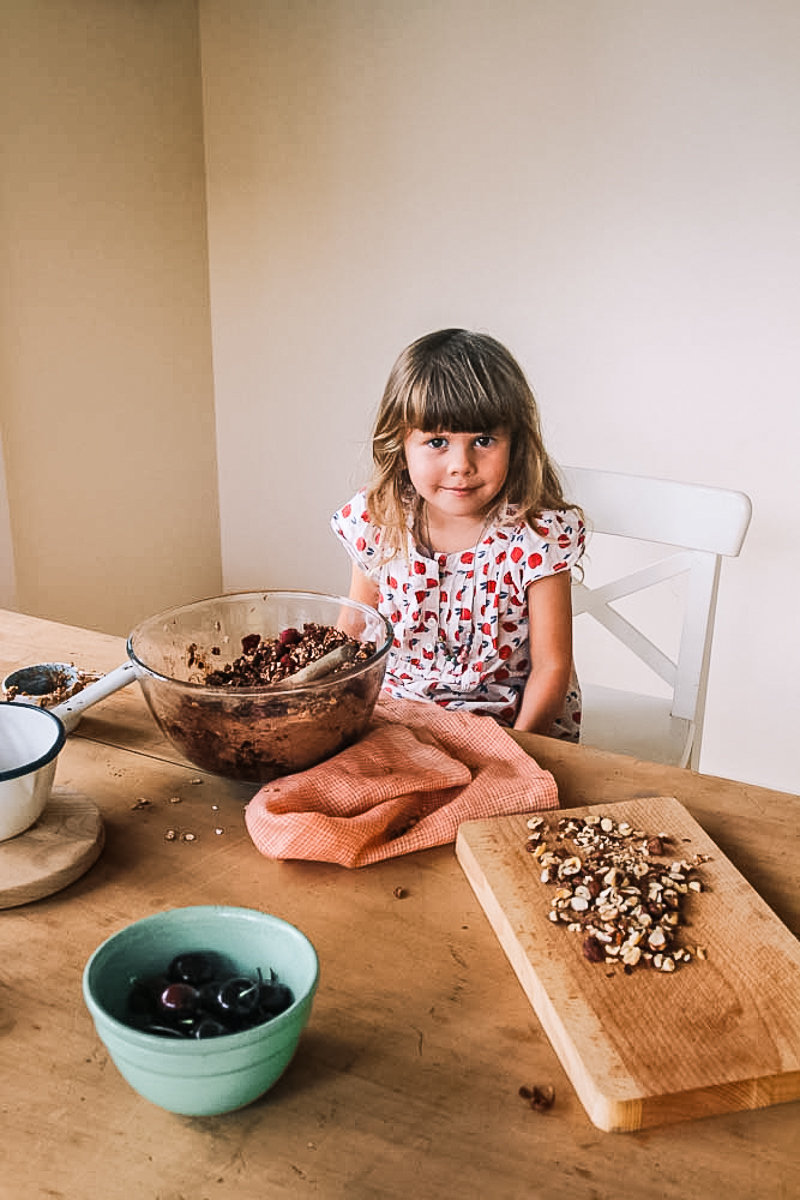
{"x":53,"y":853}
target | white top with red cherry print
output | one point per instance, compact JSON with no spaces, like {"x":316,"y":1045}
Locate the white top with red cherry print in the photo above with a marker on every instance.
{"x":460,"y":621}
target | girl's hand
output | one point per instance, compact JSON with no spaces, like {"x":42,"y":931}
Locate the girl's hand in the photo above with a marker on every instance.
{"x":362,"y":588}
{"x":550,"y":632}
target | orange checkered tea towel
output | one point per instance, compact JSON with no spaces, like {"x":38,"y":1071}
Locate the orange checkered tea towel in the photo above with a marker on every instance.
{"x":417,"y":773}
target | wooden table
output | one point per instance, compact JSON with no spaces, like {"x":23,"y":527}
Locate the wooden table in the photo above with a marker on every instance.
{"x":406,"y":1080}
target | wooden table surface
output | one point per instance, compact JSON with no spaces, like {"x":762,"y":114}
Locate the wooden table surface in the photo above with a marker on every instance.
{"x":406,"y":1080}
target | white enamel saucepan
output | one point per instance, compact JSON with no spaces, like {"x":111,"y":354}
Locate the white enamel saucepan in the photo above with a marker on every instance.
{"x":30,"y":741}
{"x":31,"y":737}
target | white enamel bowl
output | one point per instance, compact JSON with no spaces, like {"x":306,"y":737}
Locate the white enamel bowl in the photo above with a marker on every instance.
{"x":30,"y":741}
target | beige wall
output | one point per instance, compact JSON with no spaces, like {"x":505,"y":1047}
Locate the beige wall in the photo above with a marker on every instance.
{"x":611,"y":189}
{"x":105,"y":362}
{"x":8,"y":575}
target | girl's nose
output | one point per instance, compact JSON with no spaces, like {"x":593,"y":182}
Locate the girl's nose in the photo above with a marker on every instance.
{"x":461,"y":461}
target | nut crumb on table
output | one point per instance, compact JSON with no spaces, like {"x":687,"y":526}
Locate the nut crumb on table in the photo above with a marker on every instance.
{"x":539,"y":1098}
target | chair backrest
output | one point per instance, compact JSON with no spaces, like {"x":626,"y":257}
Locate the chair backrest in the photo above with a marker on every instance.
{"x":699,"y":524}
{"x":660,"y":510}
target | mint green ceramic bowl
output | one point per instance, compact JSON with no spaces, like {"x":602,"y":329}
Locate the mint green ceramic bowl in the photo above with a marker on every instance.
{"x":211,"y":1075}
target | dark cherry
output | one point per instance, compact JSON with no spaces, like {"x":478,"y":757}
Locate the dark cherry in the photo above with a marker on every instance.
{"x":274,"y":997}
{"x":179,"y":1000}
{"x":208,"y":993}
{"x":208,"y":1027}
{"x":238,"y":997}
{"x":193,"y":968}
{"x":143,"y":1005}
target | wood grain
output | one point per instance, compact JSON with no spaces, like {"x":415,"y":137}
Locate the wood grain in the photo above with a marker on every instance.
{"x":62,"y":845}
{"x":647,"y":1048}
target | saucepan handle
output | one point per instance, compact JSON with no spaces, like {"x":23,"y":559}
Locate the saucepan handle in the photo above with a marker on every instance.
{"x":69,"y":710}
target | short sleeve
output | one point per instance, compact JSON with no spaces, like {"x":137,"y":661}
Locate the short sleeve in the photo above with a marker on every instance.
{"x":353,"y":526}
{"x":554,"y":543}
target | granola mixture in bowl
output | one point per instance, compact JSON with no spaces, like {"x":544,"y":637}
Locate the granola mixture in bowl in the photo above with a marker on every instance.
{"x":261,"y":684}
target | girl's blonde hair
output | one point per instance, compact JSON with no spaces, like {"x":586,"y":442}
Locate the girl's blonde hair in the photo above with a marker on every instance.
{"x":455,"y":381}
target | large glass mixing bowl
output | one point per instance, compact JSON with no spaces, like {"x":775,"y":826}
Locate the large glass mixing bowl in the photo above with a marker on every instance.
{"x":256,"y":733}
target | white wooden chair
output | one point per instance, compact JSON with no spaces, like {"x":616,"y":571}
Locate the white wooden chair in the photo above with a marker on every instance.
{"x":699,"y":524}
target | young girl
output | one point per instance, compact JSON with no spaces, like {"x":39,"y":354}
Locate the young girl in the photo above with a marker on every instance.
{"x":464,"y":541}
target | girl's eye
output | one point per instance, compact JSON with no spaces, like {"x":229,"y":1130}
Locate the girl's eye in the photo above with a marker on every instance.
{"x":484,"y":440}
{"x":436,"y":443}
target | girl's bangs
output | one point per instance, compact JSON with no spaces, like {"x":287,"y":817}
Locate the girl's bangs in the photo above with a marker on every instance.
{"x":439,"y":405}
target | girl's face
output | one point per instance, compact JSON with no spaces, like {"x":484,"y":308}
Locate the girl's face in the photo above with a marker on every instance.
{"x":458,"y":474}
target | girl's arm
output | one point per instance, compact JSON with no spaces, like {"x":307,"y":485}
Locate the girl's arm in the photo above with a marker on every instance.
{"x":362,"y":588}
{"x":550,"y":621}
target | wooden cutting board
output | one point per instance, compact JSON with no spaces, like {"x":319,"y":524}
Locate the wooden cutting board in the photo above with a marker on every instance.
{"x":62,"y":845}
{"x":648,"y":1048}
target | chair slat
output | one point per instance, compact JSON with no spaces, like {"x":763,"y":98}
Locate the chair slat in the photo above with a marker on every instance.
{"x":591,"y":598}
